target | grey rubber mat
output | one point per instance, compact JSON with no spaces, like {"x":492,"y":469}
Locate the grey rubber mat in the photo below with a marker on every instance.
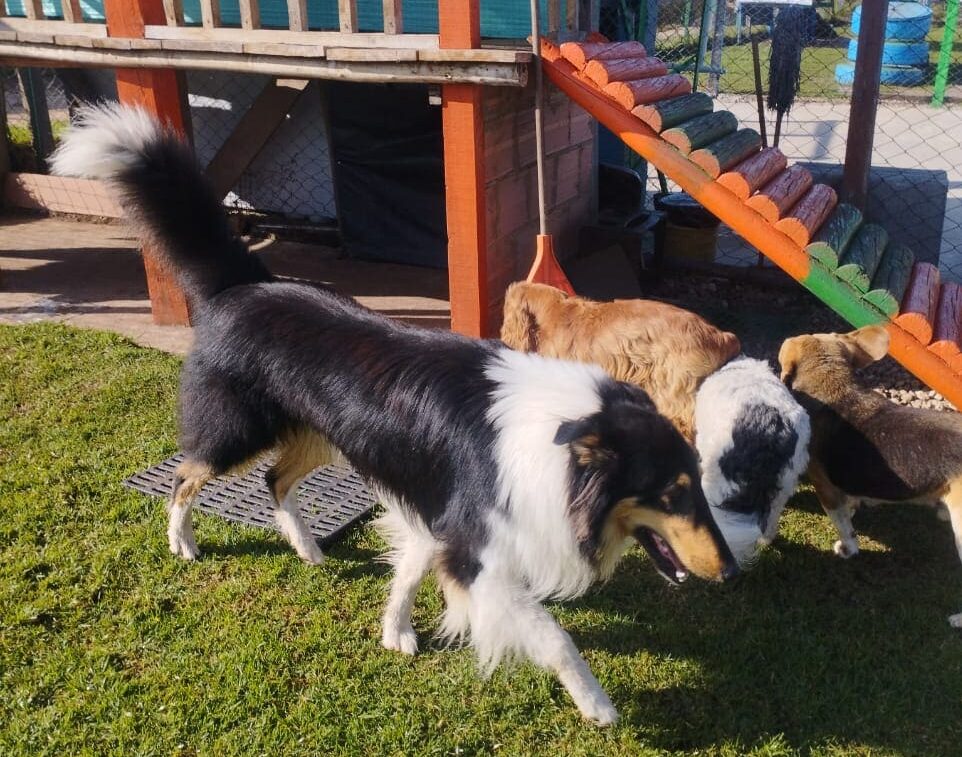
{"x":332,"y":499}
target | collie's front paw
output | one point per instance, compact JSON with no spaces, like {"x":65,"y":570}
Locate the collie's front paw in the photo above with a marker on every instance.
{"x":845,"y":548}
{"x":403,"y":640}
{"x":600,"y":711}
{"x":956,"y":620}
{"x":309,"y":552}
{"x":182,"y":544}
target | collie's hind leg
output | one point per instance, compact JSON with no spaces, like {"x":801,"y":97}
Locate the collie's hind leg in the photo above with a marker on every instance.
{"x":953,"y":504}
{"x":299,"y":453}
{"x":191,"y":475}
{"x":506,"y":621}
{"x":412,"y":552}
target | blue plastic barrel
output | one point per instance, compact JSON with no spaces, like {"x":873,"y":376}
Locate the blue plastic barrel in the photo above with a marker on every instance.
{"x":898,"y":76}
{"x":898,"y":53}
{"x":906,"y":21}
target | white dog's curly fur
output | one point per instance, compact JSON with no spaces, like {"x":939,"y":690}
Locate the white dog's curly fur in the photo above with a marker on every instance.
{"x":752,"y":437}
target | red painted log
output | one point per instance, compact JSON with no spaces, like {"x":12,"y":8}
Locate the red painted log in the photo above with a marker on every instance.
{"x":947,"y":334}
{"x":745,"y":178}
{"x":578,"y":54}
{"x":809,"y":214}
{"x":776,"y":198}
{"x":920,"y":302}
{"x":633,"y":94}
{"x":605,"y":72}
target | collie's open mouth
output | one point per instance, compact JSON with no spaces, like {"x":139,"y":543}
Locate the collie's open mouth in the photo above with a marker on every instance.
{"x":662,"y":555}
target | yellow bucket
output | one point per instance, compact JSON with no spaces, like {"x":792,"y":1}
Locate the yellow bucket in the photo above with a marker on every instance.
{"x":690,"y":243}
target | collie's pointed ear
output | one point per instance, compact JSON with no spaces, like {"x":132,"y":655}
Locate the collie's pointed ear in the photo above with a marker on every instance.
{"x":867,"y":344}
{"x":584,"y":438}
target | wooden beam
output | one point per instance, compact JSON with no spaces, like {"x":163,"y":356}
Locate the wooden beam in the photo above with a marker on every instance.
{"x":252,"y":133}
{"x":463,"y":132}
{"x":163,"y":93}
{"x":459,"y":69}
{"x":347,"y":15}
{"x":250,"y":14}
{"x":297,"y":15}
{"x":286,"y":36}
{"x":554,"y":16}
{"x":864,"y":103}
{"x":174,"y":12}
{"x":34,"y":92}
{"x":33,"y":9}
{"x":71,"y":11}
{"x":393,"y":21}
{"x":210,"y":13}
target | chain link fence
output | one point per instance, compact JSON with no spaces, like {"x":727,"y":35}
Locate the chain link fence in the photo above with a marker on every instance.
{"x":291,"y":176}
{"x":916,"y":182}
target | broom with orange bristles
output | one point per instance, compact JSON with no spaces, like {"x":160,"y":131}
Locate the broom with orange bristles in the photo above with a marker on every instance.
{"x":545,"y":269}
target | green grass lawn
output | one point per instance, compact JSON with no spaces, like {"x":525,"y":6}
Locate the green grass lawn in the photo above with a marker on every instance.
{"x":108,"y":645}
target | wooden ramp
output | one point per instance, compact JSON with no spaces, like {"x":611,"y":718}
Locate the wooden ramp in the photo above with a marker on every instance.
{"x":824,"y":245}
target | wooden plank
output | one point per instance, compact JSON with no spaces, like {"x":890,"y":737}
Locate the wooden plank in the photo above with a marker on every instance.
{"x":393,"y":17}
{"x":210,"y":13}
{"x":327,"y":39}
{"x":15,"y":24}
{"x":406,"y":72}
{"x":554,"y":17}
{"x":755,"y":172}
{"x":663,"y":114}
{"x":285,"y":49}
{"x":776,"y":198}
{"x":700,"y":131}
{"x":572,"y":9}
{"x":363,"y":54}
{"x":174,"y":12}
{"x":250,"y":14}
{"x":60,"y":194}
{"x":38,"y":37}
{"x":127,"y":43}
{"x":488,"y":55}
{"x":347,"y":16}
{"x":718,"y":157}
{"x":73,"y":40}
{"x":834,"y":236}
{"x":863,"y":256}
{"x":579,"y":53}
{"x":71,"y":11}
{"x":297,"y":15}
{"x":224,"y":48}
{"x":891,"y":279}
{"x":947,"y":334}
{"x":919,"y":303}
{"x":808,"y":215}
{"x":605,"y":72}
{"x":251,"y":134}
{"x":33,"y":9}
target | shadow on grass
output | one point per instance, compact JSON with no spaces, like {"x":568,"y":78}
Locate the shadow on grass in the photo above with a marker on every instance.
{"x":822,"y":650}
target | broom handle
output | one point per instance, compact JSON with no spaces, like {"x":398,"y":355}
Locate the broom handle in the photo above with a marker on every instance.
{"x":538,"y":103}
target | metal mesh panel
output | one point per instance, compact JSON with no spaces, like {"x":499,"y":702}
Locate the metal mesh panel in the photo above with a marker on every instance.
{"x":332,"y":499}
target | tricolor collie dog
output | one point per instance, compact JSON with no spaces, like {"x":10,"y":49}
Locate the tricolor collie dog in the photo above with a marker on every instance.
{"x":516,"y":478}
{"x":750,"y":434}
{"x":865,"y":448}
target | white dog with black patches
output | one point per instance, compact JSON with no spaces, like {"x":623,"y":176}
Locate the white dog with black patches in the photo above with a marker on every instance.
{"x":516,"y":478}
{"x":752,"y":438}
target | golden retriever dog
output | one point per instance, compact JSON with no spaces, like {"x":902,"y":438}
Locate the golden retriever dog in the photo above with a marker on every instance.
{"x":663,"y":349}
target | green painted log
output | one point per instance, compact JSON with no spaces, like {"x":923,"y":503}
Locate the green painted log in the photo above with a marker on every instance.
{"x":727,"y":152}
{"x":862,"y":257}
{"x":667,"y":113}
{"x":839,"y":296}
{"x":891,"y":279}
{"x":831,"y":240}
{"x":701,"y":131}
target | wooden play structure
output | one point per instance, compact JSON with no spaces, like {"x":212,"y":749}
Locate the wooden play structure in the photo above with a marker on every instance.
{"x":800,"y":226}
{"x":481,"y":89}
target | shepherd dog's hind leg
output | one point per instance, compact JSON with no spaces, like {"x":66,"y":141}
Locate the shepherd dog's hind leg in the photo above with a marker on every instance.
{"x":300,"y":452}
{"x":190,"y":477}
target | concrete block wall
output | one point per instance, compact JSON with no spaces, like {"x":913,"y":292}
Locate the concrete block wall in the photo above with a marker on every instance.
{"x":511,"y":182}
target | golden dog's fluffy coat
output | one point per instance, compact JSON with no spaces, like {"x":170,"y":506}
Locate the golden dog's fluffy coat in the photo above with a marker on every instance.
{"x":663,"y":349}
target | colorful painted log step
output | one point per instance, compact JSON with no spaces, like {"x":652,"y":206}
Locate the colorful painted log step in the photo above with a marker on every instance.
{"x":827,"y":246}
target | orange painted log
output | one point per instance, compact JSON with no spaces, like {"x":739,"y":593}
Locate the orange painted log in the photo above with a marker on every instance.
{"x":605,"y":72}
{"x":745,"y":178}
{"x":947,"y":335}
{"x":580,"y":53}
{"x":920,"y":302}
{"x":776,"y":198}
{"x":632,"y":94}
{"x":809,"y":214}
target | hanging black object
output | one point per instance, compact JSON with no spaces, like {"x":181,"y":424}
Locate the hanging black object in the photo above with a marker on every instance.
{"x":794,"y":27}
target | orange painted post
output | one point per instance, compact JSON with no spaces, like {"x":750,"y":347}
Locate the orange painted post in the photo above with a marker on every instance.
{"x":163,"y":93}
{"x":463,"y":132}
